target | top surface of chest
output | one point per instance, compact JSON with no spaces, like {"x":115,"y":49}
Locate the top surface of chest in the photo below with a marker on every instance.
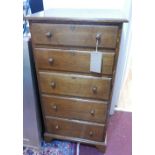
{"x":77,"y":15}
{"x":76,"y":27}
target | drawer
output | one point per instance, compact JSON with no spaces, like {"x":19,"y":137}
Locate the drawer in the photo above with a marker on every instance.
{"x":74,"y":35}
{"x":75,"y":85}
{"x":74,"y":128}
{"x":73,"y":108}
{"x":71,"y":60}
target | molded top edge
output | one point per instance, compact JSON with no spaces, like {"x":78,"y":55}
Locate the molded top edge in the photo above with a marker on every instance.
{"x":94,"y":15}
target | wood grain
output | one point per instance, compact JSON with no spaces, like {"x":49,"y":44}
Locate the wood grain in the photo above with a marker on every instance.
{"x":71,"y":60}
{"x":75,"y":129}
{"x":74,"y":108}
{"x":99,"y":145}
{"x":79,"y":15}
{"x":68,"y":91}
{"x":48,"y":137}
{"x":75,"y":85}
{"x":74,"y":35}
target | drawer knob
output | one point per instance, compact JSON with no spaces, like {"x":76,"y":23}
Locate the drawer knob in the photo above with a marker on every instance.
{"x":53,"y":85}
{"x":91,"y":133}
{"x":50,"y":60}
{"x":54,"y":107}
{"x":94,"y":89}
{"x":48,"y":34}
{"x":92,"y":112}
{"x":57,"y":127}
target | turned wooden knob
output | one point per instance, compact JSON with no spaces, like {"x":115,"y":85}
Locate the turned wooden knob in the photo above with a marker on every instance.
{"x":57,"y":127}
{"x":92,"y":112}
{"x":94,"y":89}
{"x":91,"y":133}
{"x":50,"y":60}
{"x":48,"y":34}
{"x":54,"y":107}
{"x":53,"y":84}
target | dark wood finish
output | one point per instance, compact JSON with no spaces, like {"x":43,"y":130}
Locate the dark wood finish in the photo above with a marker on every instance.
{"x":100,"y":16}
{"x":75,"y":128}
{"x":48,"y":137}
{"x":71,"y":60}
{"x":74,"y":35}
{"x":99,"y":145}
{"x":75,"y":102}
{"x":101,"y":148}
{"x":74,"y":108}
{"x":75,"y":85}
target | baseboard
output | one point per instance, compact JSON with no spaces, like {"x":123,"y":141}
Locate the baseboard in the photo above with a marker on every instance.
{"x":121,"y":109}
{"x":38,"y":148}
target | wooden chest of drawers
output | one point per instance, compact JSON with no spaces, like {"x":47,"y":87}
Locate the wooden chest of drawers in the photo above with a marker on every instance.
{"x":75,"y":101}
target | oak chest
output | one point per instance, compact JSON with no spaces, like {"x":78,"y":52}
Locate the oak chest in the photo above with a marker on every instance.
{"x":75,"y":101}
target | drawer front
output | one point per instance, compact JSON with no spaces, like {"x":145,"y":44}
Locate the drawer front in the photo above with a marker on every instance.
{"x":75,"y":129}
{"x":75,"y":85}
{"x":74,"y":35}
{"x":73,"y":108}
{"x":69,"y":60}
